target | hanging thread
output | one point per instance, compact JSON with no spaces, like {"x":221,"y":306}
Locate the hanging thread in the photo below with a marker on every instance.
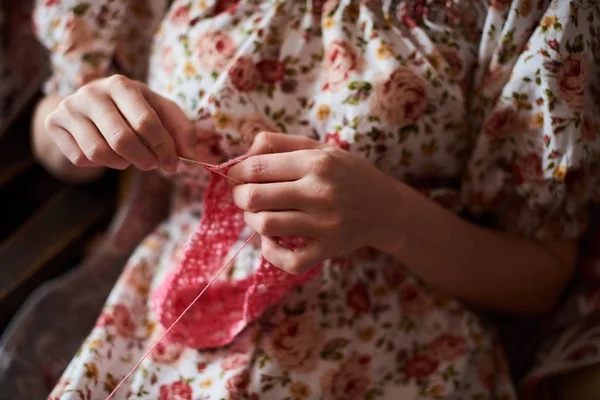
{"x":211,"y":168}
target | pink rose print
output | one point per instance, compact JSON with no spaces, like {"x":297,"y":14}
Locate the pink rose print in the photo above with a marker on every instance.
{"x":77,"y":36}
{"x":500,"y":5}
{"x":420,"y":367}
{"x":401,"y":98}
{"x":453,"y":59}
{"x":167,"y":354}
{"x":415,"y":302}
{"x":233,"y":362}
{"x":504,"y":123}
{"x":571,"y":79}
{"x":237,"y":385}
{"x":60,"y":389}
{"x":328,"y":6}
{"x":251,"y":125}
{"x":589,"y":129}
{"x":358,"y":299}
{"x":335,"y":140}
{"x":295,"y":342}
{"x":243,"y":74}
{"x":105,"y":319}
{"x":447,"y":347}
{"x":340,"y":62}
{"x":271,"y":71}
{"x":167,"y":59}
{"x":176,"y":391}
{"x":350,"y":381}
{"x":181,"y":15}
{"x":215,"y":49}
{"x":123,"y":321}
{"x":228,"y":6}
{"x":528,"y":169}
{"x":393,"y":275}
{"x":317,"y":6}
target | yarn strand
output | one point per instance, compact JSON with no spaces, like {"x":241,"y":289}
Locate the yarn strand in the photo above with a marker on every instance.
{"x":214,"y":278}
{"x":210,"y":168}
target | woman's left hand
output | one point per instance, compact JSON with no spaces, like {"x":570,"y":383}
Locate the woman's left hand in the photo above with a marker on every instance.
{"x":297,"y":186}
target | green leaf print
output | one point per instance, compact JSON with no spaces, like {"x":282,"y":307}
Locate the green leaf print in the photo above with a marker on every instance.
{"x":374,"y":393}
{"x":80,"y":9}
{"x":94,"y":58}
{"x":352,"y":100}
{"x":360,"y":85}
{"x":332,"y":349}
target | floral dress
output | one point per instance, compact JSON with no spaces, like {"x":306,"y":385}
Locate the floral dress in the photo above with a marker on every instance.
{"x":491,"y":109}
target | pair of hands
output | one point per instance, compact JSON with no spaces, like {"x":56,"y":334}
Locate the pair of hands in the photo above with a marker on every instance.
{"x":295,"y":186}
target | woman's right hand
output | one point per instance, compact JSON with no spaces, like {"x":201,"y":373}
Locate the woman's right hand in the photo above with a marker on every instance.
{"x":115,"y":122}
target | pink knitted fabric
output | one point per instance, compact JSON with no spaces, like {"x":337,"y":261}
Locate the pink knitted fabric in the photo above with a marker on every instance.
{"x":228,"y":305}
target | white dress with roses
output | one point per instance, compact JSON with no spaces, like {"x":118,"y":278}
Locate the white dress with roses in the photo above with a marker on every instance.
{"x":487,"y":108}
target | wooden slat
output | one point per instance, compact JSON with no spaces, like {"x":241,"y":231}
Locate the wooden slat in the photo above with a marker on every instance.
{"x":65,"y":217}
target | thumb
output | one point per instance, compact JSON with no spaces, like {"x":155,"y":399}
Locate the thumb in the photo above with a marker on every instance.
{"x":174,"y":121}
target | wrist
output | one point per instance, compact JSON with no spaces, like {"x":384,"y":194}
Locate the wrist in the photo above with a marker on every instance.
{"x":392,"y":218}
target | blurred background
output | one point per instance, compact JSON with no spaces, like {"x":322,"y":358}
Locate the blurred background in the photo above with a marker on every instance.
{"x":45,"y":225}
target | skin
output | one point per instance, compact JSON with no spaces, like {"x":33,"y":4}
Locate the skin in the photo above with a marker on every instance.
{"x":295,"y":186}
{"x":113,"y":122}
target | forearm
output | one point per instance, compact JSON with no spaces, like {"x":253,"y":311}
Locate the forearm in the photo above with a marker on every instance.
{"x":48,"y":154}
{"x":485,"y":268}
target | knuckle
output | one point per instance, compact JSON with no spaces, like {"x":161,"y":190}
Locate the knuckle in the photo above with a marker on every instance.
{"x":78,"y":159}
{"x":118,"y":81}
{"x":160,"y":147}
{"x":262,"y":143}
{"x":97,"y":153}
{"x":122,"y":141}
{"x":145,"y":122}
{"x":250,"y":198}
{"x":264,"y":224}
{"x":50,"y":122}
{"x":87,"y":91}
{"x":322,"y":162}
{"x":326,"y":192}
{"x":257,"y":167}
{"x":67,"y":106}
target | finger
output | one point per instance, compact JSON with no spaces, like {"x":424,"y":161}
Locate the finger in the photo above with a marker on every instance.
{"x":90,"y":141}
{"x":281,"y":223}
{"x":269,"y":197}
{"x":117,"y":132}
{"x":145,"y":122}
{"x":279,"y":167}
{"x":68,"y":146}
{"x":268,"y":142}
{"x":174,"y":121}
{"x":293,"y":261}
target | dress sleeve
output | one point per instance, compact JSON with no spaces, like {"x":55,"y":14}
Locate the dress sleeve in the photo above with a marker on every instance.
{"x":87,"y":38}
{"x":534,"y":166}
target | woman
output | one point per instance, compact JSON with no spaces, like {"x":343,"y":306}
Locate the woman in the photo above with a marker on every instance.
{"x":393,"y":126}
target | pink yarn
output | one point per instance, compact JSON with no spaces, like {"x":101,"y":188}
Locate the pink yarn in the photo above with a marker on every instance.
{"x":228,"y":306}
